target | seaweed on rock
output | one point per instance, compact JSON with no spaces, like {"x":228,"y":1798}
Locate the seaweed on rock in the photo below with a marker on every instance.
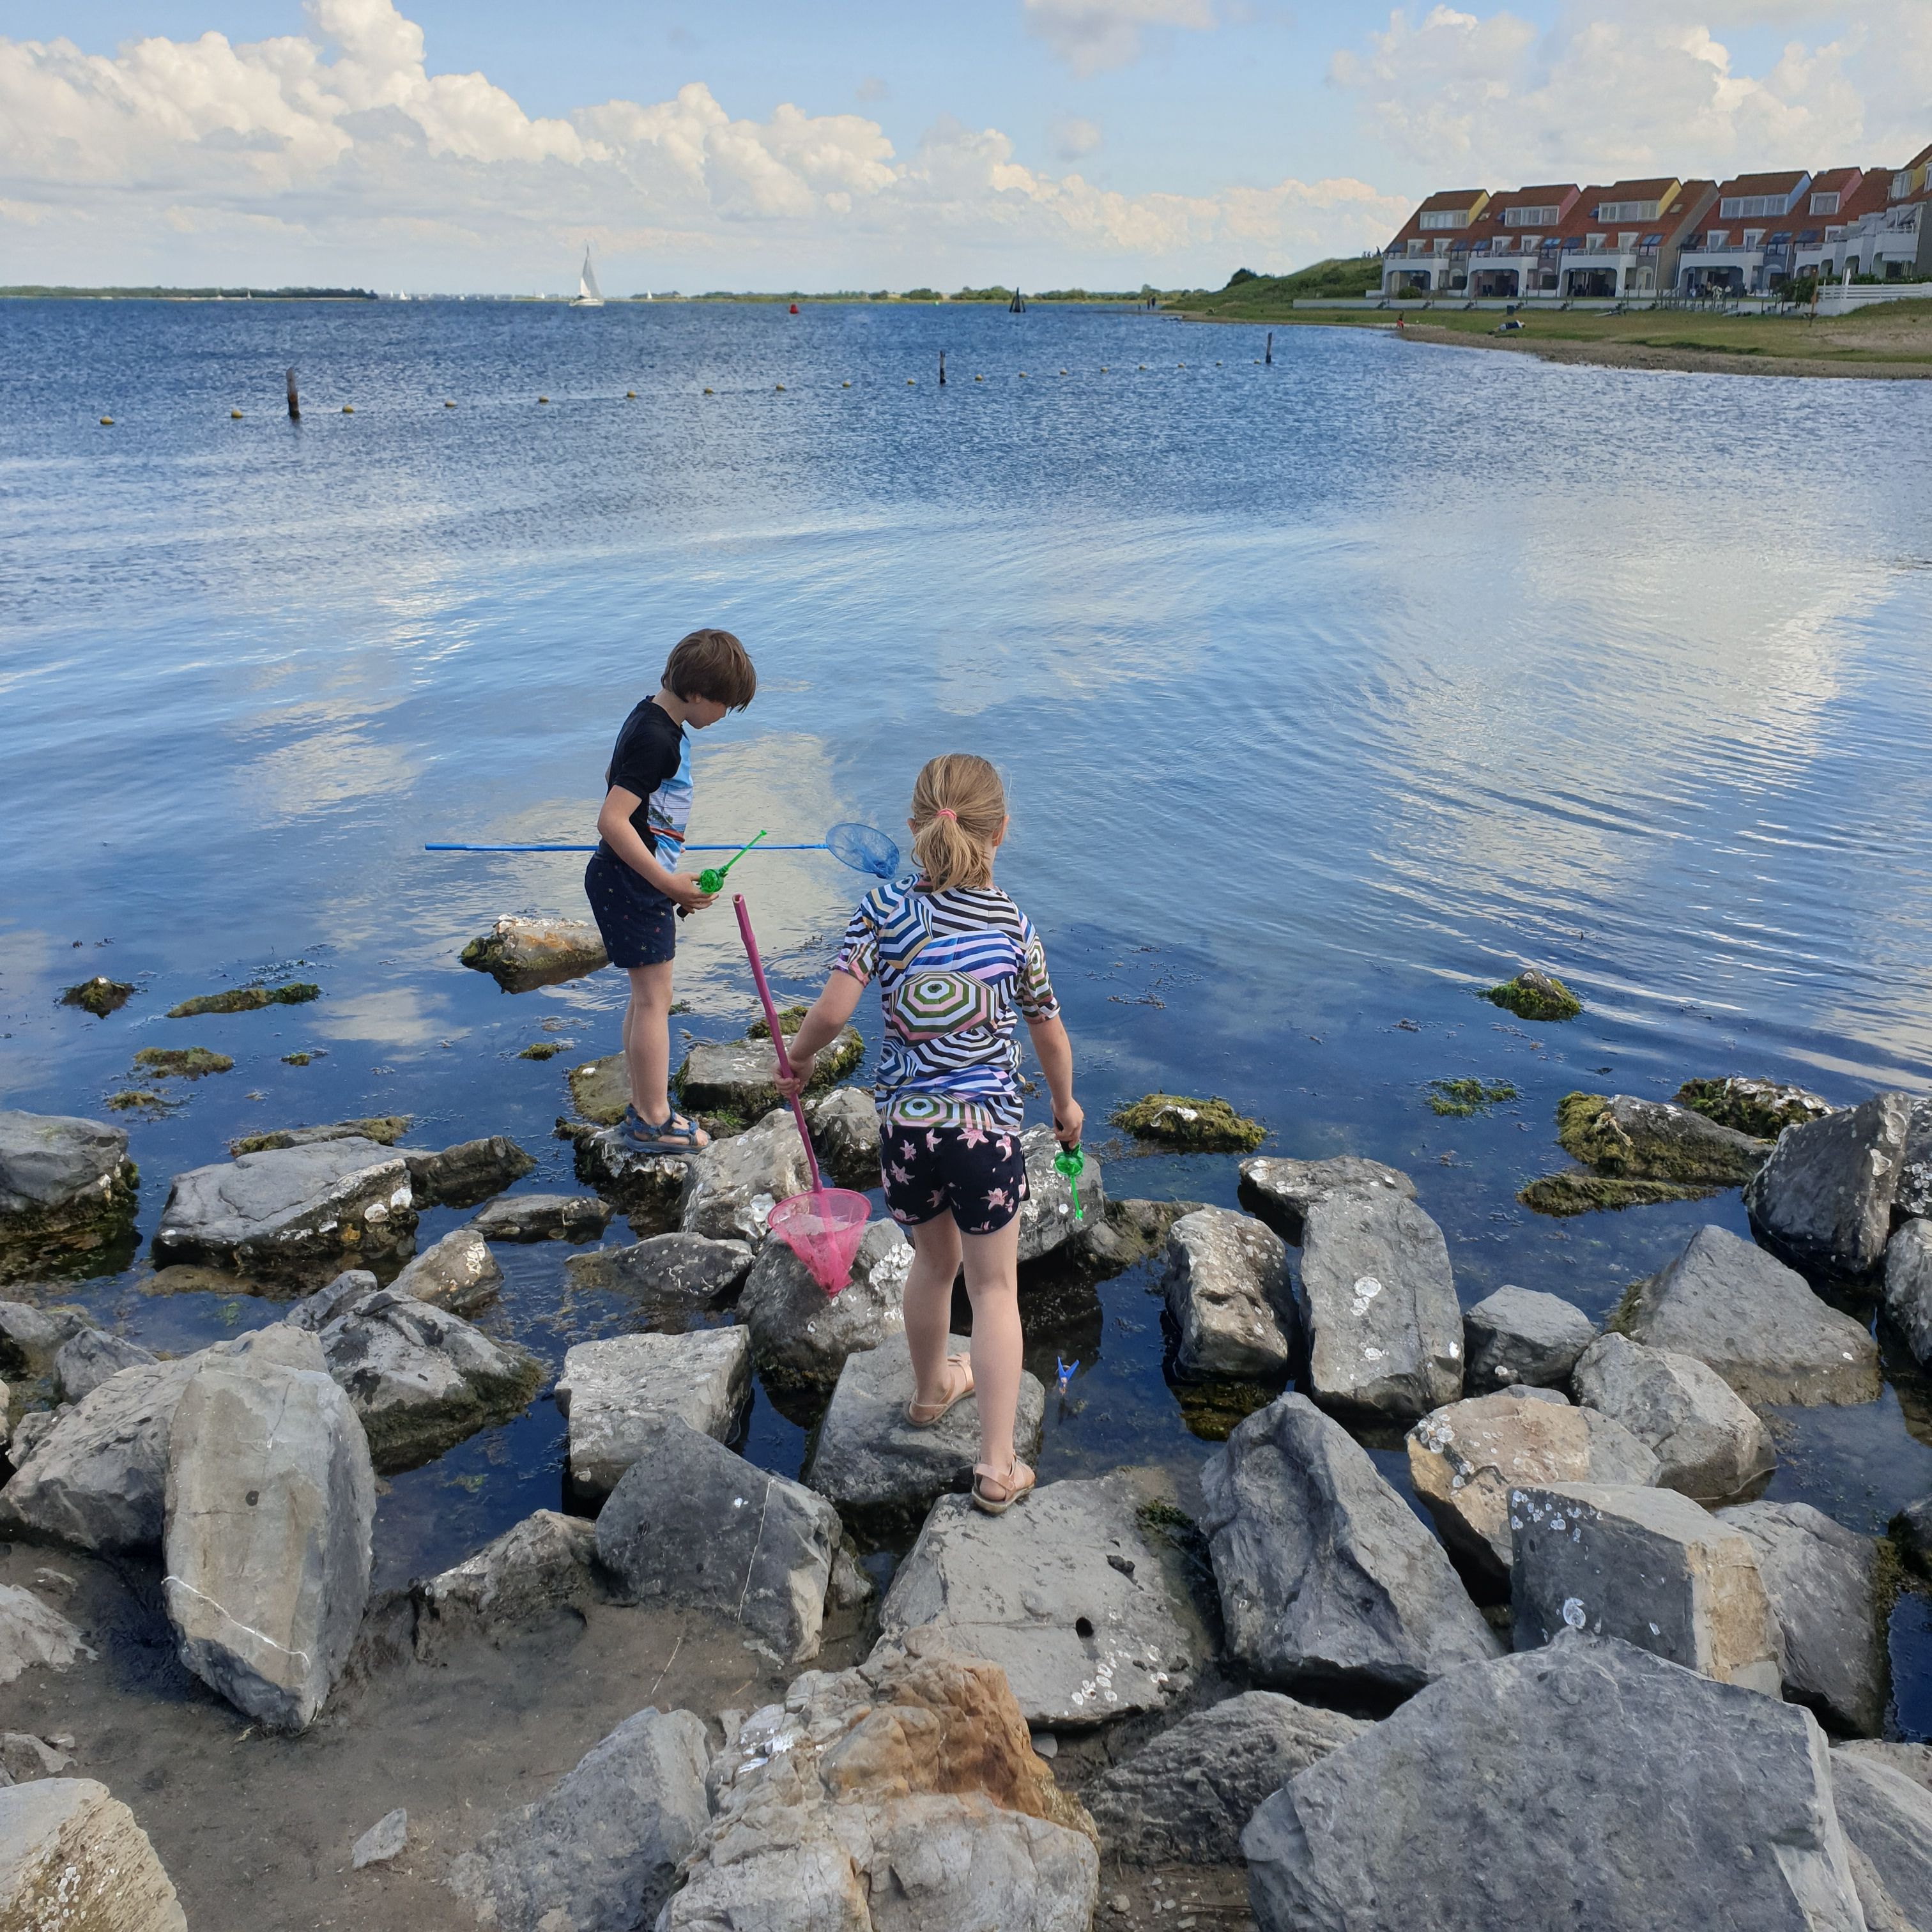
{"x":1532,"y":995}
{"x":1761,"y":1108}
{"x":99,"y":996}
{"x":182,"y":1063}
{"x":1177,"y":1120}
{"x":1460,"y":1098}
{"x":1574,"y":1192}
{"x":247,"y":1000}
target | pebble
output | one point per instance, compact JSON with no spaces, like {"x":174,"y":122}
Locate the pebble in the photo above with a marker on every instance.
{"x":383,"y":1840}
{"x":1046,"y":1744}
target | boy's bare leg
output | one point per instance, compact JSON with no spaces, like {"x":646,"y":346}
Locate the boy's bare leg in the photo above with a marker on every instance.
{"x":992,"y":1281}
{"x":928,"y":1304}
{"x":647,"y":1041}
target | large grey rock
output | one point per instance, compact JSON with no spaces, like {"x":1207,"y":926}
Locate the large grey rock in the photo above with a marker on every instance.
{"x":315,"y":1312}
{"x":690,"y":1523}
{"x":470,"y":1171}
{"x":1047,"y":1226}
{"x":1281,"y":1191}
{"x":1825,"y":1196}
{"x":674,"y":1279}
{"x":731,"y":1186}
{"x":1912,"y":1761}
{"x":521,"y":953}
{"x":1914,"y":1193}
{"x":612,"y":1393}
{"x":1587,"y":1784}
{"x":271,"y":1500}
{"x":1908,"y":1286}
{"x":81,"y":1365}
{"x":290,"y":1209}
{"x":740,"y":1076}
{"x":600,"y":1851}
{"x":1708,"y":1443}
{"x":421,"y":1378}
{"x":1378,"y":1301}
{"x":543,"y":1217}
{"x":1517,"y":1336}
{"x":1184,"y":1799}
{"x":1822,"y":1580}
{"x":845,"y":1131}
{"x":1887,"y":1820}
{"x":1225,"y":1279}
{"x":32,"y":1634}
{"x":1463,"y":1461}
{"x":1327,"y":1578}
{"x":1754,"y":1320}
{"x":800,"y":1334}
{"x":875,"y":1466}
{"x":1652,"y":1140}
{"x":1082,"y":1637}
{"x":96,"y":1477}
{"x":61,"y":1176}
{"x":72,"y":1859}
{"x":646,"y":1187}
{"x":1758,"y":1106}
{"x":459,"y":1273}
{"x":1648,"y":1566}
{"x":31,"y":1337}
{"x":544,"y":1564}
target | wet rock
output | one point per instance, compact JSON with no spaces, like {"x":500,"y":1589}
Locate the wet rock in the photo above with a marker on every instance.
{"x":732,"y":1185}
{"x":1912,"y":1528}
{"x":875,"y":1466}
{"x":1648,"y":1566}
{"x":600,"y":1090}
{"x":384,"y":1128}
{"x":1464,"y":1460}
{"x":72,"y":1858}
{"x":290,"y":1209}
{"x":1914,"y":1193}
{"x":62,"y":1180}
{"x":1184,"y":1799}
{"x":1755,"y":1322}
{"x":1823,"y":1582}
{"x":902,"y":1796}
{"x":270,"y":1501}
{"x":1327,"y":1578}
{"x":1908,"y":1286}
{"x":315,"y":1312}
{"x":600,"y":1851}
{"x":1592,"y":1785}
{"x":521,"y":954}
{"x":1575,"y":1192}
{"x":1762,"y":1108}
{"x":1651,"y":1140}
{"x":673,"y":1278}
{"x":421,"y":1378}
{"x":470,"y":1171}
{"x":32,"y":1634}
{"x":845,"y":1131}
{"x":31,"y":1337}
{"x":1378,"y":1302}
{"x":382,"y":1841}
{"x":1178,"y":1120}
{"x":99,"y":996}
{"x":691,"y":1523}
{"x":1707,"y":1443}
{"x":543,"y":1217}
{"x":81,"y":1365}
{"x":28,"y":1433}
{"x":182,"y":1063}
{"x":1535,"y":995}
{"x":1281,"y":1191}
{"x":1226,"y":1279}
{"x":1128,"y":1231}
{"x":740,"y":1077}
{"x":648,"y":1187}
{"x":1887,"y":1820}
{"x":246,"y":999}
{"x":800,"y":1334}
{"x":1516,"y":1335}
{"x":1047,"y":1226}
{"x":1082,"y":1638}
{"x":537,"y":1567}
{"x":459,"y":1273}
{"x":1825,"y":1196}
{"x":613,"y":1392}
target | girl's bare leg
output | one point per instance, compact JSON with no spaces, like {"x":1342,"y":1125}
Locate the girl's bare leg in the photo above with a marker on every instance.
{"x":992,"y":1281}
{"x":929,"y":1306}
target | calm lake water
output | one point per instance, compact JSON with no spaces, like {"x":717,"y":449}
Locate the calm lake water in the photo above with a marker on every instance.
{"x":1327,"y":693}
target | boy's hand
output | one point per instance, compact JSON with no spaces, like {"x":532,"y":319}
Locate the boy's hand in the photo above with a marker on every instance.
{"x":802,"y":1067}
{"x":687,"y":894}
{"x":1067,"y":1122}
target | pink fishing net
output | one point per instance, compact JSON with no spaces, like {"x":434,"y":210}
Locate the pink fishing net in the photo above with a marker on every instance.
{"x":823,"y":1229}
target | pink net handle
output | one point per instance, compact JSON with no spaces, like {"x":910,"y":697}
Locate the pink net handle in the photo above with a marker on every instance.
{"x":777,"y":1038}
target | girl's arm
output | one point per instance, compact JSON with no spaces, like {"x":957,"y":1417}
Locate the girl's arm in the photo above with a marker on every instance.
{"x":820,"y":1028}
{"x":1055,"y":1054}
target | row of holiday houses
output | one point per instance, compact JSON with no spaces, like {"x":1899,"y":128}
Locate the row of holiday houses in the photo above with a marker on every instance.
{"x":1752,"y":234}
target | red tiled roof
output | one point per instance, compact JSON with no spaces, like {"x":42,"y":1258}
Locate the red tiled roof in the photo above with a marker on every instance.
{"x":1869,"y":197}
{"x":1919,"y":160}
{"x":1783,"y":184}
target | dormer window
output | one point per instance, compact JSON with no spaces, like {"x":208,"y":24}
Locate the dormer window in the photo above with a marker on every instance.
{"x":1742,"y":207}
{"x":1627,"y":211}
{"x":1824,"y":204}
{"x":1445,"y":217}
{"x":1753,"y":238}
{"x":1530,"y":218}
{"x":1718,"y":238}
{"x":1597,"y":242}
{"x":1901,"y":185}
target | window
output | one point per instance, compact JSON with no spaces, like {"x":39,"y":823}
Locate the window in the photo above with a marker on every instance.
{"x":1627,"y":239}
{"x":1824,"y":204}
{"x":1530,"y":217}
{"x":1753,"y":238}
{"x":1597,"y":241}
{"x":1627,"y":211}
{"x":1445,"y":217}
{"x":1741,"y":207}
{"x":1901,"y":185}
{"x":1718,"y":238}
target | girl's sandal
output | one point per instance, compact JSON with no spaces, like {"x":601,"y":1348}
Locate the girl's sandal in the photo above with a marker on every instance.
{"x":1013,"y":1488}
{"x":954,"y":1395}
{"x":674,"y":1135}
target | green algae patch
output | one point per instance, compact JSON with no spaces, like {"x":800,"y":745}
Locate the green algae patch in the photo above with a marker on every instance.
{"x":182,"y":1063}
{"x":294,"y":1059}
{"x":1532,"y":995}
{"x":790,"y":1019}
{"x":600,"y":1090}
{"x":1212,"y":1411}
{"x":542,"y":1049}
{"x":99,"y":996}
{"x":1762,"y":1108}
{"x":1646,"y":1141}
{"x":1571,"y":1192}
{"x":1197,"y":1126}
{"x":1462,"y":1097}
{"x":247,"y":1000}
{"x":384,"y":1128}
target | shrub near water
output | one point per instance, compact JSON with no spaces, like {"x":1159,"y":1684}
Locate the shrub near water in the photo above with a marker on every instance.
{"x":1176,"y":1120}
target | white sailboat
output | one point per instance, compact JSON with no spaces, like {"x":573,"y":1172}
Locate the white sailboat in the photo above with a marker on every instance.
{"x":588,"y":294}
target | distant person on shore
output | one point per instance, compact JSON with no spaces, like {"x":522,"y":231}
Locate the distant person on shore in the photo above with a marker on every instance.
{"x":956,"y":961}
{"x":636,"y":891}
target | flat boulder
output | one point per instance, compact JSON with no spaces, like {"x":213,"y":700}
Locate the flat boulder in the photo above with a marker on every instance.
{"x":740,"y":1077}
{"x":33,"y":1634}
{"x":731,"y":1186}
{"x":1708,"y":1443}
{"x":1631,"y":1138}
{"x":542,"y":1217}
{"x":1825,"y":1196}
{"x":384,"y":1128}
{"x":1823,"y":1580}
{"x":1328,"y":1580}
{"x":1281,"y":1191}
{"x":1224,"y":1277}
{"x":536,"y":1568}
{"x":271,"y":1499}
{"x":1047,"y":1226}
{"x":1378,"y":1303}
{"x":875,"y":1466}
{"x":800,"y":1335}
{"x":521,"y":953}
{"x":73,"y":1859}
{"x":1755,"y":1321}
{"x":1908,"y":1287}
{"x":82,"y":1363}
{"x":1886,"y":1816}
{"x":1064,"y":1593}
{"x":1586,"y":1784}
{"x":1519,"y":1336}
{"x":468,"y":1172}
{"x":673,"y":1280}
{"x":459,"y":1273}
{"x":1183,"y":1799}
{"x":62,"y":1178}
{"x":613,"y":1393}
{"x":1464,"y":1460}
{"x":290,"y":1210}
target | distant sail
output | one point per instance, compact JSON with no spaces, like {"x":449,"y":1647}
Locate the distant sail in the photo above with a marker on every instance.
{"x":588,"y":294}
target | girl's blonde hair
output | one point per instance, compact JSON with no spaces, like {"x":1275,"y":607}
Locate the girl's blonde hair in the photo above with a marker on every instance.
{"x":958,"y":811}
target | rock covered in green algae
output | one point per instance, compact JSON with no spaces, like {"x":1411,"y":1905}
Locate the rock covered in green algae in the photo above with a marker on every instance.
{"x":600,"y":1090}
{"x":542,"y":1049}
{"x":738,"y":1078}
{"x":247,"y":1000}
{"x":385,"y":1129}
{"x":790,"y":1019}
{"x":522,"y":954}
{"x":182,"y":1063}
{"x":1651,"y":1140}
{"x":1460,"y":1098}
{"x":62,"y":1180}
{"x":1534,"y":995}
{"x":129,"y":1098}
{"x":1761,"y":1108}
{"x":1574,"y":1192}
{"x":99,"y":996}
{"x":1177,"y":1120}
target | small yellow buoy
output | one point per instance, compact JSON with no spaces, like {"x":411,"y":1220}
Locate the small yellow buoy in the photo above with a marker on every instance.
{"x":1022,"y":375}
{"x":630,"y":395}
{"x":449,"y":406}
{"x":1063,"y":372}
{"x":1103,"y":368}
{"x":1143,"y":365}
{"x":779,"y":387}
{"x":1217,"y":362}
{"x":349,"y":409}
{"x":235,"y":414}
{"x":911,"y":383}
{"x":845,"y":385}
{"x":978,"y":379}
{"x":711,"y":392}
{"x":1180,"y":365}
{"x":107,"y":422}
{"x":543,"y":399}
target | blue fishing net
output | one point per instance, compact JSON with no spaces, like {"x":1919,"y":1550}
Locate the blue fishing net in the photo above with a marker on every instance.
{"x":864,"y":849}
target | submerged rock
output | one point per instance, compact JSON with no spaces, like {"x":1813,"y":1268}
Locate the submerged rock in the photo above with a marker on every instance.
{"x":613,"y":1392}
{"x":1575,"y":1192}
{"x":1708,"y":1443}
{"x":384,"y":1128}
{"x":1634,"y":1139}
{"x":99,"y":996}
{"x":1127,"y":1232}
{"x":800,"y":1334}
{"x":600,"y":1090}
{"x":72,"y":1858}
{"x":521,"y":954}
{"x":1535,"y":995}
{"x":1178,"y":1120}
{"x":1226,"y":1279}
{"x":675,"y":1280}
{"x":1825,"y":1196}
{"x":247,"y":1000}
{"x":470,"y":1171}
{"x":543,"y":1217}
{"x":1762,"y":1108}
{"x":64,"y":1181}
{"x":1908,"y":1287}
{"x":31,"y":1634}
{"x":1516,"y":1335}
{"x":740,"y":1077}
{"x":543,"y":1564}
{"x":182,"y":1063}
{"x":1281,"y":1191}
{"x":459,"y":1273}
{"x":83,"y":1364}
{"x":1047,"y":1226}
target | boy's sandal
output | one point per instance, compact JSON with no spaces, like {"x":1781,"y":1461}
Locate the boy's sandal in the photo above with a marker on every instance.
{"x":954,"y":1395}
{"x":1012,"y":1488}
{"x":674,"y":1135}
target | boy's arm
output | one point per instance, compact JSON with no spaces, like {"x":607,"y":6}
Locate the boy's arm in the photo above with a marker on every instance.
{"x":1055,"y":1054}
{"x":820,"y":1028}
{"x":615,"y":828}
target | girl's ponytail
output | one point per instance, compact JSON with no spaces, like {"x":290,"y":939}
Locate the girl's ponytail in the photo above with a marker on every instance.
{"x":958,"y":813}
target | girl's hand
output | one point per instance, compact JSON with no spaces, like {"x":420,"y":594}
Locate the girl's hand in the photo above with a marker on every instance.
{"x":1067,"y":1122}
{"x":802,"y":1067}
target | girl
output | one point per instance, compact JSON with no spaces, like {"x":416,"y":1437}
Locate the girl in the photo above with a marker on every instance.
{"x":954,"y":959}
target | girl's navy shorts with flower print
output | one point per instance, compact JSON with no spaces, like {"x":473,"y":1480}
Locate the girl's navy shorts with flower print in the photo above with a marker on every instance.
{"x":979,"y":1173}
{"x":638,"y":924}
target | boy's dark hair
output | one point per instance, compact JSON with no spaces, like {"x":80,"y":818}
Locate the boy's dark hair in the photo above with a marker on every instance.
{"x":713,"y":664}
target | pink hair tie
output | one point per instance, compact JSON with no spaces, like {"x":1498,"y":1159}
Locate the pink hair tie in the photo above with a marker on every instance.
{"x":947,"y":811}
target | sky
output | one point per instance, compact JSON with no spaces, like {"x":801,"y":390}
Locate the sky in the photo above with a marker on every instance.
{"x":482,"y":146}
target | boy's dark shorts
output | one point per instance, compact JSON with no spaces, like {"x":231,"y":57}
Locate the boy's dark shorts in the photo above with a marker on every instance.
{"x":979,"y":1173}
{"x":637,"y":923}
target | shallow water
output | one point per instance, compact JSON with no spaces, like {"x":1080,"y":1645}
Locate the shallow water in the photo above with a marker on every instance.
{"x":1326,"y":692}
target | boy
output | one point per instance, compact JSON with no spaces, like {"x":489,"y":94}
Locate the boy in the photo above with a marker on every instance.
{"x":637,"y":894}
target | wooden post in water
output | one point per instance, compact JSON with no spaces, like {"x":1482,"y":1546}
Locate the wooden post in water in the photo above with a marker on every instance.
{"x":295,"y":404}
{"x":942,"y":368}
{"x":1269,"y":357}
